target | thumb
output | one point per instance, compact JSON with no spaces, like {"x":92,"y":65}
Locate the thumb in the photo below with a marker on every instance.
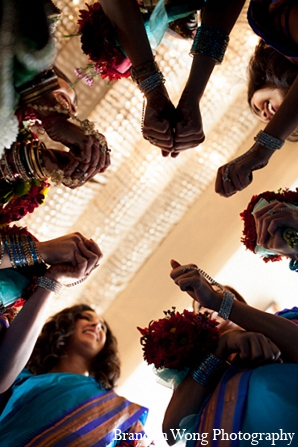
{"x":174,"y":264}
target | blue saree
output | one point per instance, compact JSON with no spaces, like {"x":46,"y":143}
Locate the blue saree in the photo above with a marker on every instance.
{"x":64,"y":409}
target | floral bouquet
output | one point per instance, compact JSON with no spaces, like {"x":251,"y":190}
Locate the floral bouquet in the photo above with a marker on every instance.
{"x":180,"y":340}
{"x":99,"y":43}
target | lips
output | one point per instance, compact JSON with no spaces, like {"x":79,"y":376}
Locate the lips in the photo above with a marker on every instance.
{"x":91,"y":332}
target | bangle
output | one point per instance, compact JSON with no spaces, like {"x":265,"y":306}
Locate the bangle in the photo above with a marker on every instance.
{"x":209,"y":371}
{"x":268,"y":141}
{"x":150,"y":83}
{"x":143,"y":70}
{"x":210,"y":41}
{"x":49,"y":284}
{"x":226,"y":304}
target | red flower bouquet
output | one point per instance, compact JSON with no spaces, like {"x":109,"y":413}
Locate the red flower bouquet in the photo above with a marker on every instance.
{"x":98,"y":39}
{"x":20,"y":198}
{"x":179,"y":340}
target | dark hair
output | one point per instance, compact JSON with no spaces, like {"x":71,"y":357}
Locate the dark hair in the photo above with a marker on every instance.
{"x":63,"y":76}
{"x":268,"y":68}
{"x":50,"y":346}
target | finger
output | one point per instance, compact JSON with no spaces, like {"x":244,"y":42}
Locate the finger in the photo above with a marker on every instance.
{"x":91,"y":257}
{"x":93,"y":246}
{"x":175,"y":264}
{"x":183,"y":270}
{"x":223,"y":187}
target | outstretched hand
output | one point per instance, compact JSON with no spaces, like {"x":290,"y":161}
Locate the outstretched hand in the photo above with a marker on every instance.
{"x":189,"y":129}
{"x":85,"y":259}
{"x":159,"y":119}
{"x":54,"y":160}
{"x":191,"y":281}
{"x":237,"y":174}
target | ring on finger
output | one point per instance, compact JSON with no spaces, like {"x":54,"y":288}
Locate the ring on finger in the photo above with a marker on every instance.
{"x":151,"y":140}
{"x":225,"y":177}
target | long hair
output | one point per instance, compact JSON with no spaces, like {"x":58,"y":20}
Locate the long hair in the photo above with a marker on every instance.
{"x":268,"y":68}
{"x":52,"y":343}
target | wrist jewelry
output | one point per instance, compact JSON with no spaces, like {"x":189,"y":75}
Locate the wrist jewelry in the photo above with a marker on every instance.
{"x":226,"y":304}
{"x":49,"y":284}
{"x":147,"y":85}
{"x":209,"y":371}
{"x":139,"y":72}
{"x":211,"y":42}
{"x":268,"y":141}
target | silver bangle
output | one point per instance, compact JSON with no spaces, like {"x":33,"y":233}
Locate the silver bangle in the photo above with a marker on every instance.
{"x":49,"y":284}
{"x":150,"y":83}
{"x":226,"y":304}
{"x":266,"y":140}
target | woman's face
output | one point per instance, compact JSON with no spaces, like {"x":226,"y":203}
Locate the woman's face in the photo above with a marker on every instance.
{"x":266,"y":101}
{"x":89,"y":335}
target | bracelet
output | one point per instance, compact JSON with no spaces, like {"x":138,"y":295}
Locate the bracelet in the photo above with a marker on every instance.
{"x":21,"y":250}
{"x":210,"y":41}
{"x":49,"y":284}
{"x":143,"y":70}
{"x":209,"y":371}
{"x":43,"y":83}
{"x":150,"y":83}
{"x":268,"y":141}
{"x":226,"y":304}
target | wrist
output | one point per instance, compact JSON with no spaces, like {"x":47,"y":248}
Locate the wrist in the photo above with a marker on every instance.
{"x":49,"y":284}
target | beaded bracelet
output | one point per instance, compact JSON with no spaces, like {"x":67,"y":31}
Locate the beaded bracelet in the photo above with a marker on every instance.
{"x":266,"y":140}
{"x":210,"y":41}
{"x":209,"y":371}
{"x":139,"y":72}
{"x":226,"y":304}
{"x":150,"y":83}
{"x":49,"y":284}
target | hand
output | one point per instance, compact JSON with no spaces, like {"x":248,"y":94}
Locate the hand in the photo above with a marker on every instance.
{"x":66,"y":162}
{"x":85,"y":260}
{"x":273,"y":217}
{"x":252,"y":347}
{"x":84,"y":148}
{"x":62,"y":249}
{"x":159,"y":120}
{"x":237,"y":175}
{"x":191,"y":281}
{"x":189,"y":131}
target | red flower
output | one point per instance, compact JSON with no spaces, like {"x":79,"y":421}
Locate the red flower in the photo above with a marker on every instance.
{"x":179,"y":340}
{"x":99,"y":43}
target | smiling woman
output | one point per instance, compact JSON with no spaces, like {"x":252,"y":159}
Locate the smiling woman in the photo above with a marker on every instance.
{"x":270,"y":78}
{"x":75,"y":351}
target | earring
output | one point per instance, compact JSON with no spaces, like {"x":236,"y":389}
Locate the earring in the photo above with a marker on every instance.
{"x":293,"y":265}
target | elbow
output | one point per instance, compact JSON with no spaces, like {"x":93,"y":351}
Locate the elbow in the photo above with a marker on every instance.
{"x":168,"y":433}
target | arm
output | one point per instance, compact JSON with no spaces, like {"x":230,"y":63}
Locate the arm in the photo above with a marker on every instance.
{"x":240,"y":170}
{"x":190,"y":395}
{"x":189,"y":133}
{"x":18,"y":340}
{"x":245,"y":316}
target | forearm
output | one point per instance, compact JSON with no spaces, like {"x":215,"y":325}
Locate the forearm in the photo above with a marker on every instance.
{"x":187,"y":399}
{"x":280,"y":330}
{"x":19,"y":339}
{"x":127,"y":19}
{"x":221,"y":15}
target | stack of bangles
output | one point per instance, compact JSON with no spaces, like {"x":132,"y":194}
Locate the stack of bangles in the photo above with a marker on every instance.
{"x":261,"y":139}
{"x":209,"y":371}
{"x":21,"y":250}
{"x":23,"y":162}
{"x":211,"y":42}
